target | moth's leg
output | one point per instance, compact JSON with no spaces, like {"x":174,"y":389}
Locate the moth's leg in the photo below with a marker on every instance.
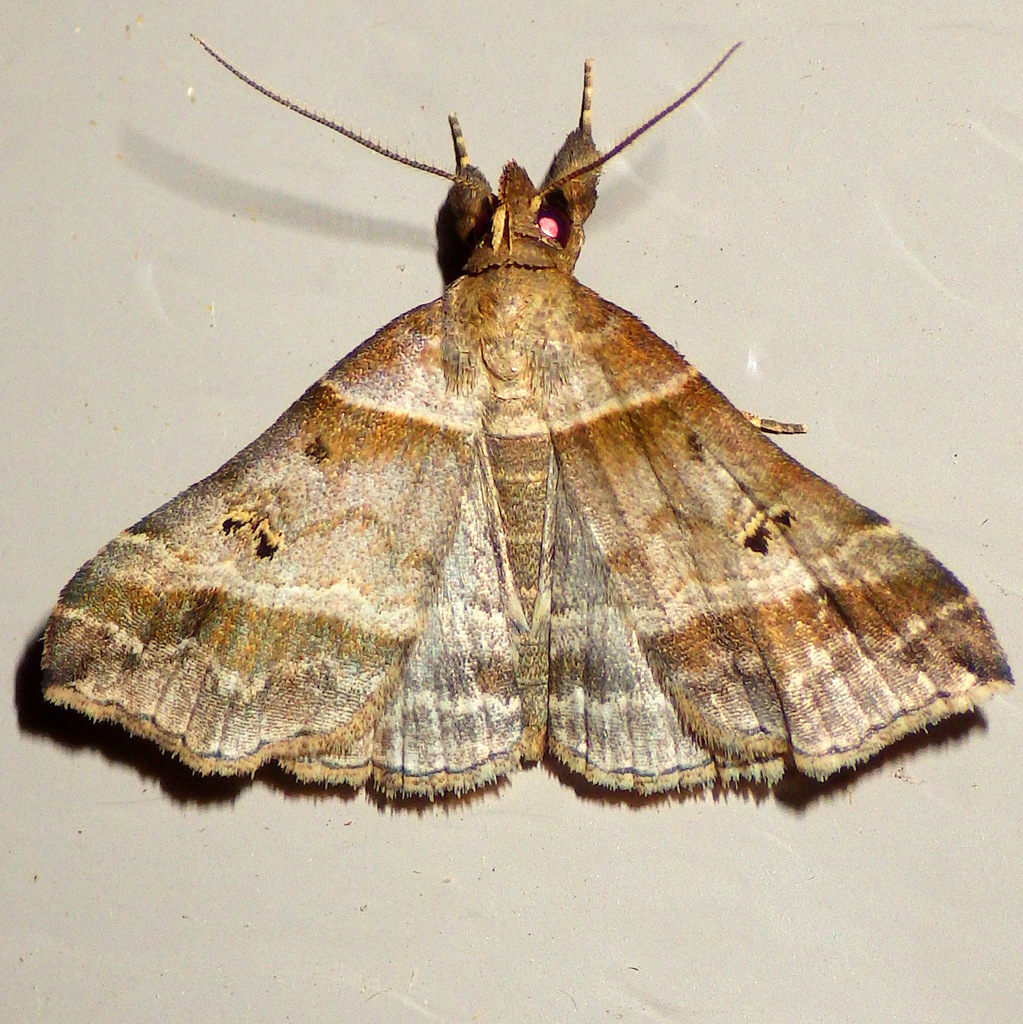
{"x":774,"y":426}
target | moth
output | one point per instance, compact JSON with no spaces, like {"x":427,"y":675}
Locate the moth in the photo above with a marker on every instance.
{"x":515,"y":523}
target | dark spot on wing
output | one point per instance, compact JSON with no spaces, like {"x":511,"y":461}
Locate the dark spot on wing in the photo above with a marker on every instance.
{"x":317,"y":450}
{"x":757,"y":540}
{"x":264,"y":538}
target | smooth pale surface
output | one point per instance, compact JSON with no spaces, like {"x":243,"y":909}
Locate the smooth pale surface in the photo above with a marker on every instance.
{"x":830,"y":232}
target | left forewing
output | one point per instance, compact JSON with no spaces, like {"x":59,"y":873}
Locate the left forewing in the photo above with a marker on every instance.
{"x":779,"y":618}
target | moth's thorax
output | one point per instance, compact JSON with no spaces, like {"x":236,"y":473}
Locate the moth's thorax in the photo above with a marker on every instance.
{"x":510,"y":333}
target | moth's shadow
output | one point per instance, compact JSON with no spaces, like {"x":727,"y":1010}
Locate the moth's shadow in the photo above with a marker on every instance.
{"x":74,"y":731}
{"x":213,"y":188}
{"x":207,"y":186}
{"x":797,"y":792}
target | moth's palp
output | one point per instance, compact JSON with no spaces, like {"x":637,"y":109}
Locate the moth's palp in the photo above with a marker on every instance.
{"x":461,"y":156}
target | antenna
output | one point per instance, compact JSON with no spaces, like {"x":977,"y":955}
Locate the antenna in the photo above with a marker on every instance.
{"x":325,"y":121}
{"x":642,"y":129}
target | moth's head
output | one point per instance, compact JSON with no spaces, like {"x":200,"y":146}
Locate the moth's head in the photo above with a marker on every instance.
{"x":521,"y":225}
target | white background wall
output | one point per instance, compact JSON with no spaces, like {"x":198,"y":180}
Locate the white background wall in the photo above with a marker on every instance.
{"x":830,"y":231}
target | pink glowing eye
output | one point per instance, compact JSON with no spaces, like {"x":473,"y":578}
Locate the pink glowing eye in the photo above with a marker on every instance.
{"x":553,"y":225}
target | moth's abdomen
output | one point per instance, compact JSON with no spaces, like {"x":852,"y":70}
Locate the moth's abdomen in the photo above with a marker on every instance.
{"x":520,"y":468}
